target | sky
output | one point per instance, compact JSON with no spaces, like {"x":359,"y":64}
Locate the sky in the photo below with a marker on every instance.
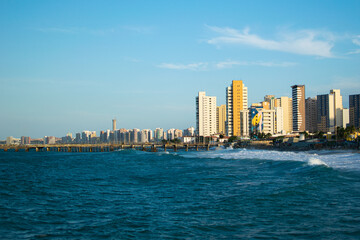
{"x":69,"y":66}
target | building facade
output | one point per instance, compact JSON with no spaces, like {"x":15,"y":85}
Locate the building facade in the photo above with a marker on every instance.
{"x":311,"y":114}
{"x":298,"y":104}
{"x":354,"y":110}
{"x":221,"y":119}
{"x":286,"y":104}
{"x":236,"y":100}
{"x":205,"y":115}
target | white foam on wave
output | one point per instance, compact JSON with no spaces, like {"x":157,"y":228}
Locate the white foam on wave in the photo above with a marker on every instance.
{"x":316,"y":162}
{"x":333,"y":159}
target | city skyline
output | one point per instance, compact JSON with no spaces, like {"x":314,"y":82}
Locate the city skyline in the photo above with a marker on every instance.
{"x":71,"y":66}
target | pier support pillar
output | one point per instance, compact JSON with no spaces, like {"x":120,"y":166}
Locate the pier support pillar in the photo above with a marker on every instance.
{"x":5,"y":149}
{"x":175,"y":148}
{"x":143,"y":148}
{"x":186,"y":147}
{"x":208,"y":147}
{"x":36,"y":149}
{"x":59,"y":149}
{"x":101,"y":149}
{"x":26,"y":149}
{"x":153,"y":148}
{"x":164,"y":148}
{"x":47,"y":149}
{"x":197,"y":147}
{"x":69,"y":149}
{"x":90,"y":149}
{"x":80,"y":149}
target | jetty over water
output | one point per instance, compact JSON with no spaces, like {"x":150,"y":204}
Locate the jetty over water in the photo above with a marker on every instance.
{"x":107,"y":147}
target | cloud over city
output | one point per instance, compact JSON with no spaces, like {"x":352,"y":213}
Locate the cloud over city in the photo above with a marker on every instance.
{"x":304,"y":42}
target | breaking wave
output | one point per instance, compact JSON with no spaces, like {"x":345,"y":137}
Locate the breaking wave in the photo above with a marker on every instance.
{"x":329,"y":158}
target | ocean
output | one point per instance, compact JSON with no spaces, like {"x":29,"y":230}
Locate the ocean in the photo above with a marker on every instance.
{"x":217,"y":194}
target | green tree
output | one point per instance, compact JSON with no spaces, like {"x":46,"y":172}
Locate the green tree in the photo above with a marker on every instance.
{"x":232,"y":139}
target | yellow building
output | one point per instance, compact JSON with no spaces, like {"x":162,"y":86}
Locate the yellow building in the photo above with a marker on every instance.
{"x":236,"y":100}
{"x":221,"y":119}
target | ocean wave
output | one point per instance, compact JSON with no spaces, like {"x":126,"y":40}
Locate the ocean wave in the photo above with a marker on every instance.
{"x":333,"y":159}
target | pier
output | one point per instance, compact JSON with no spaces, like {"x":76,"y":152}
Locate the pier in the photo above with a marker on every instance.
{"x":107,"y":147}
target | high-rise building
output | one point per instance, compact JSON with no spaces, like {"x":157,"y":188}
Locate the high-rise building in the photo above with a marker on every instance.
{"x":345,"y":118}
{"x":221,"y":119}
{"x":236,"y":100}
{"x":159,"y":134}
{"x":338,"y":106}
{"x":205,"y":115}
{"x":325,"y":113}
{"x":279,"y":120}
{"x":114,"y":124}
{"x":286,"y":104}
{"x":135,"y":135}
{"x":311,"y":114}
{"x":330,"y":111}
{"x":354,"y":110}
{"x":244,"y":123}
{"x":298,"y":96}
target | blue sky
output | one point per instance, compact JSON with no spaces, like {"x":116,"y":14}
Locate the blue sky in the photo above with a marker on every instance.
{"x":69,"y":66}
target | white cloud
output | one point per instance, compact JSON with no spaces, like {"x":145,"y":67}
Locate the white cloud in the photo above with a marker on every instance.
{"x":356,"y":40}
{"x":191,"y":66}
{"x":229,"y":64}
{"x":224,"y":64}
{"x":305,"y":42}
{"x":357,"y":51}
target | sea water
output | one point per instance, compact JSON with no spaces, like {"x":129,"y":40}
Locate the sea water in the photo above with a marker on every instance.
{"x":227,"y":193}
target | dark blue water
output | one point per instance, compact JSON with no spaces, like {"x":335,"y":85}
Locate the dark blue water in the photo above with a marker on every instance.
{"x":195,"y":195}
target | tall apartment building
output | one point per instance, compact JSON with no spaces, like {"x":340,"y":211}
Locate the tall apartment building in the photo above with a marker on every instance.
{"x":286,"y":104}
{"x":354,"y":110}
{"x":236,"y":100}
{"x":330,"y":112}
{"x":338,"y":106}
{"x":221,"y":119}
{"x":325,"y":113}
{"x":159,"y":134}
{"x":345,"y":118}
{"x":205,"y":115}
{"x":311,"y":114}
{"x":298,"y":96}
{"x":279,"y":120}
{"x":114,"y":124}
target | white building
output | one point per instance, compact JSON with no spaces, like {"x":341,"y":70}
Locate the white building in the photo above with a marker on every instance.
{"x":244,"y":123}
{"x":279,"y":118}
{"x":205,"y":115}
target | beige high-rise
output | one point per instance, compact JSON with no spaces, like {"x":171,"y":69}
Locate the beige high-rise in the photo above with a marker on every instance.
{"x":286,"y":104}
{"x":221,"y":119}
